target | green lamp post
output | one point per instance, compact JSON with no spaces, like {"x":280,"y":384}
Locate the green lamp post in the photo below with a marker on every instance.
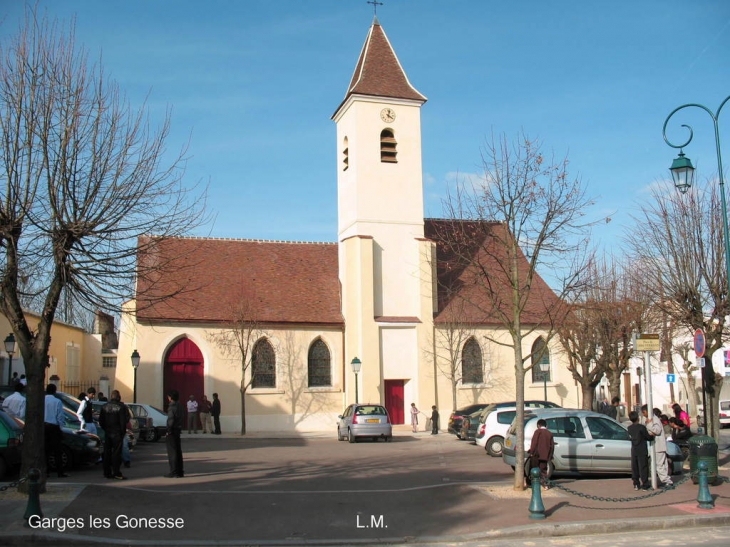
{"x":356,"y":364}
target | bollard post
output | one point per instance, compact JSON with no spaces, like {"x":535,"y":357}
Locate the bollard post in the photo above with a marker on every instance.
{"x":537,"y":509}
{"x":704,"y":498}
{"x":34,"y":501}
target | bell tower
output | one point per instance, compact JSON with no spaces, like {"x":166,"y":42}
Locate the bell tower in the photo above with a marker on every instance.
{"x":383,"y":268}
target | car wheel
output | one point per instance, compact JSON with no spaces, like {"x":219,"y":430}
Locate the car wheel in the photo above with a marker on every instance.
{"x":350,"y":437}
{"x":389,"y":438}
{"x":494,"y":446}
{"x":150,"y":435}
{"x":550,"y":470}
{"x":339,"y":435}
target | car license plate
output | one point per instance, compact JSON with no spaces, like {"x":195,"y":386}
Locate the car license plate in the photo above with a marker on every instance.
{"x":373,"y":421}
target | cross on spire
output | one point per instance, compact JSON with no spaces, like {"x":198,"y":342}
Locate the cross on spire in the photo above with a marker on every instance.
{"x":375,"y":4}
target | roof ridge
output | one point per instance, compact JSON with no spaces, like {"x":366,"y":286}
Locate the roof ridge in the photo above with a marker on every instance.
{"x":251,"y":240}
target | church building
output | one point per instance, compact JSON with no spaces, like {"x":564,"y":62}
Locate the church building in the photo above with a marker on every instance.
{"x":304,"y":312}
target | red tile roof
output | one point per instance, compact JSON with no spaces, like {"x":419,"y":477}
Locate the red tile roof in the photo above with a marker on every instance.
{"x":378,"y":71}
{"x":471,"y":262}
{"x":282,"y":282}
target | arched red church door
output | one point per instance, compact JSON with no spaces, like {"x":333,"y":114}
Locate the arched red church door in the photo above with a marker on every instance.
{"x":184,"y":370}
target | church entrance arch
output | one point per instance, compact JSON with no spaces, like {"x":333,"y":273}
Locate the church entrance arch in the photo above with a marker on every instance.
{"x":184,"y":370}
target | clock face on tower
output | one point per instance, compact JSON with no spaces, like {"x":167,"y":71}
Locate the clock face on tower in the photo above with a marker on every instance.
{"x":387,"y":115}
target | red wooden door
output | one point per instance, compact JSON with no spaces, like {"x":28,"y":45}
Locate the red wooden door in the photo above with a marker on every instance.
{"x":394,"y":400}
{"x":184,"y":371}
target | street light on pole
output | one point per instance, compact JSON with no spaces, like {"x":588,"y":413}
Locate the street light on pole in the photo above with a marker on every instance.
{"x":544,"y":369}
{"x":10,"y":349}
{"x":683,"y":171}
{"x":356,"y":365}
{"x":135,"y":365}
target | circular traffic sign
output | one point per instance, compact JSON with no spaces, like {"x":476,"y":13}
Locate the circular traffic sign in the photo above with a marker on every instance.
{"x":699,"y":343}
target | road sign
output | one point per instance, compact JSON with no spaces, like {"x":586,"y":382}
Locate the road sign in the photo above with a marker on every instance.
{"x":671,"y":378}
{"x":699,"y":343}
{"x":647,"y":342}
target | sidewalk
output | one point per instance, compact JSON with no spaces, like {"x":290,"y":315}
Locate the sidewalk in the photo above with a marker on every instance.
{"x":220,"y":513}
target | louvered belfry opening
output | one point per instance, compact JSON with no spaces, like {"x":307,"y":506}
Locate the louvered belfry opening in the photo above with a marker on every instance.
{"x":388,"y":146}
{"x":345,"y":156}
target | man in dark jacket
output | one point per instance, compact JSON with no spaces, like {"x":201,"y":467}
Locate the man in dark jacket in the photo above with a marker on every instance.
{"x":216,"y":413}
{"x":174,"y":428}
{"x":541,"y":450}
{"x":113,"y":419}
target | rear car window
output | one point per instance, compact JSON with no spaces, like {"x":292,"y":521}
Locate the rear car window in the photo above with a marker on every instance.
{"x":506,"y":417}
{"x":370,"y":410}
{"x":566,"y":426}
{"x":724,"y":405}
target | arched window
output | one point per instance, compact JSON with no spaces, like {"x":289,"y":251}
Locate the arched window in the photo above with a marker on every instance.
{"x":472,"y":371}
{"x":263,"y":365}
{"x":387,"y":146}
{"x":318,"y":365}
{"x":540,"y":356}
{"x":346,"y":156}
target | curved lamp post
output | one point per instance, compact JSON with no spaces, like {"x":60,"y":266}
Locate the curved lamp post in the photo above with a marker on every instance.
{"x":10,"y":349}
{"x":356,"y":365}
{"x":135,"y":365}
{"x":683,"y":171}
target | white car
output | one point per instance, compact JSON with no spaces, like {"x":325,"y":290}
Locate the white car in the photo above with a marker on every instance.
{"x":492,"y":431}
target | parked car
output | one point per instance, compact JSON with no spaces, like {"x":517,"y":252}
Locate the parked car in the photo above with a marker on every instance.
{"x":493,"y":429}
{"x":96,"y":408}
{"x":458,"y":415}
{"x":152,"y":421}
{"x":364,"y":420}
{"x":455,"y":420}
{"x":585,"y":442}
{"x":11,"y":442}
{"x":470,"y":425}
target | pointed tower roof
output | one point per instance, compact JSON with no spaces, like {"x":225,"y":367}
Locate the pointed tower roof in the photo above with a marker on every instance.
{"x":379,"y":72}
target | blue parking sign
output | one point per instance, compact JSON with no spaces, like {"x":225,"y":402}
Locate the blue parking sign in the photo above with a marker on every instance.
{"x":671,"y":378}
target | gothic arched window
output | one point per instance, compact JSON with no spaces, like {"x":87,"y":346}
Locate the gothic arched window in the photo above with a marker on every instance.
{"x":540,"y":356}
{"x":263,"y":365}
{"x":472,"y":371}
{"x":318,"y":365}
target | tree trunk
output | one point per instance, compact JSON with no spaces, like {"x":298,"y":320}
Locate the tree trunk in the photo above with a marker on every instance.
{"x":588,"y":393}
{"x":519,"y":482}
{"x":243,"y":409}
{"x":34,"y":443}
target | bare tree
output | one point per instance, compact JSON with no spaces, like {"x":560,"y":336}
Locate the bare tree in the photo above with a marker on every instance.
{"x":675,"y":238}
{"x":82,"y":180}
{"x":238,"y":341}
{"x":525,"y":213}
{"x":689,"y":369}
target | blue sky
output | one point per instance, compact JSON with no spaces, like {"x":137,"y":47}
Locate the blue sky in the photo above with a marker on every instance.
{"x":253,"y":85}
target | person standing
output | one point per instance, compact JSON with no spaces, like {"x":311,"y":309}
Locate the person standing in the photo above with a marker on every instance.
{"x":15,"y":404}
{"x":172,"y":438}
{"x":192,"y":414}
{"x":612,"y":410}
{"x":541,"y":450}
{"x":639,"y":436}
{"x":204,"y":408}
{"x":656,"y":429}
{"x":14,"y":380}
{"x":414,"y":417}
{"x":434,"y":420}
{"x":85,"y":414}
{"x":101,"y":398}
{"x":53,"y":421}
{"x":216,"y":413}
{"x":113,"y":419}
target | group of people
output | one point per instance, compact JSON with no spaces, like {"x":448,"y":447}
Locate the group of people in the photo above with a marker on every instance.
{"x":209,"y":413}
{"x":434,"y":419}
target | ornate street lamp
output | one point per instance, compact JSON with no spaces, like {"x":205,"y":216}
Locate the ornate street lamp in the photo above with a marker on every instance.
{"x":10,"y":349}
{"x":356,"y":365}
{"x":682,"y":169}
{"x":135,"y":365}
{"x":544,"y":368}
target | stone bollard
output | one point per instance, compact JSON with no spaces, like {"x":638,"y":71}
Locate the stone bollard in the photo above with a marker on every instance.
{"x":704,"y":498}
{"x":537,"y":509}
{"x":34,"y":501}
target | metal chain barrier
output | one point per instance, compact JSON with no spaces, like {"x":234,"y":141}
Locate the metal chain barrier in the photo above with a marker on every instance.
{"x":652,"y":494}
{"x":13,"y":484}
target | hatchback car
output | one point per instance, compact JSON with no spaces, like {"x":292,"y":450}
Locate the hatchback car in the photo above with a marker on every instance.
{"x":493,"y":429}
{"x":364,"y":420}
{"x":458,"y":415}
{"x":585,"y":442}
{"x":152,"y":421}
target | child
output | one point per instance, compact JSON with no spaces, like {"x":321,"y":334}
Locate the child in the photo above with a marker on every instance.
{"x":434,"y":420}
{"x":639,"y":452}
{"x":541,"y":450}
